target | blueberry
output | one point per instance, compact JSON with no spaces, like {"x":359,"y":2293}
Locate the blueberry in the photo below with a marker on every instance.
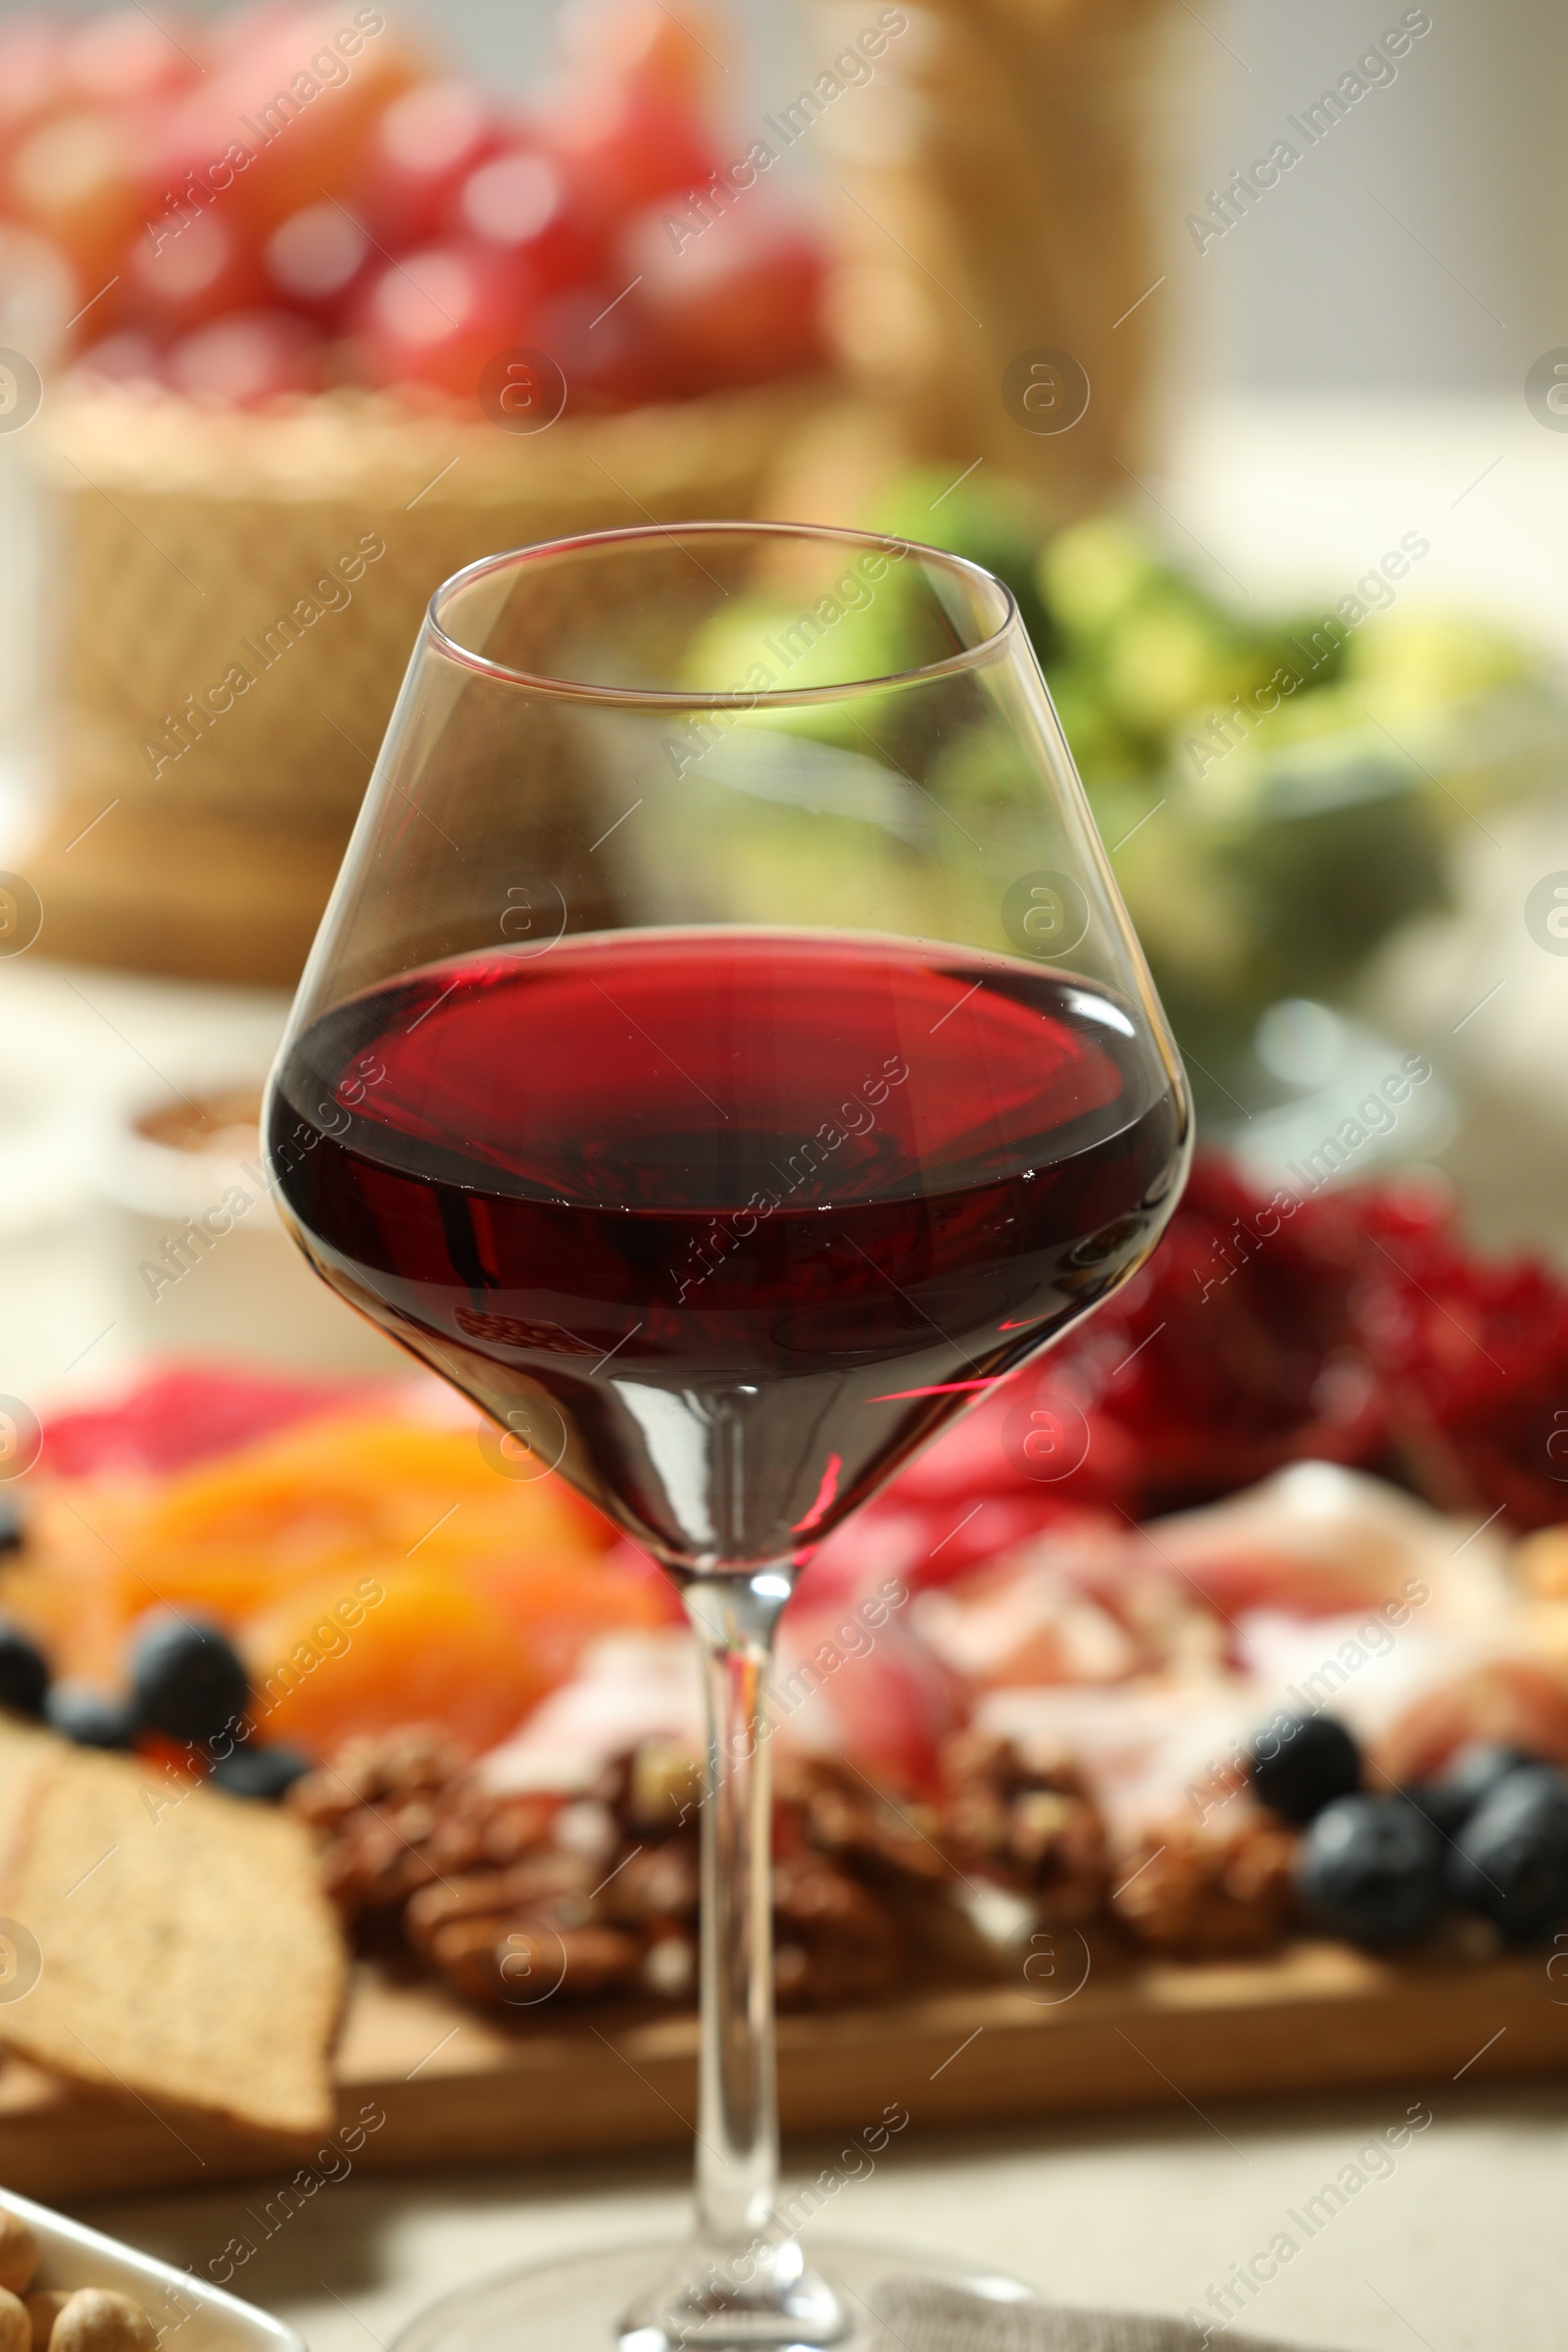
{"x":1300,"y":1763}
{"x":1465,"y":1782}
{"x":186,"y":1678}
{"x":261,"y":1772}
{"x":23,"y":1671}
{"x":91,"y":1717}
{"x":1510,"y":1859}
{"x":1371,"y":1869}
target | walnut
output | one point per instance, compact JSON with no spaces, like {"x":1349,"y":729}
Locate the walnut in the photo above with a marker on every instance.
{"x":488,"y":1889}
{"x":654,"y":1789}
{"x":839,"y":1812}
{"x":664,"y":1787}
{"x":1202,"y":1893}
{"x":509,"y":1827}
{"x":586,"y":1826}
{"x":550,"y":1887}
{"x":416,"y":1760}
{"x":398,"y":1813}
{"x":973,"y":1756}
{"x":834,"y":1941}
{"x":655,"y":1883}
{"x":669,"y":1966}
{"x":517,"y":1959}
{"x":1030,"y":1824}
{"x":375,"y":1861}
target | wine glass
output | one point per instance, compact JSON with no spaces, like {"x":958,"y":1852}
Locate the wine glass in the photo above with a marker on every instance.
{"x":724,"y":1056}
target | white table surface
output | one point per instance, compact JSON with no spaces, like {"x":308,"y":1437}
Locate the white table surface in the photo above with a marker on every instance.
{"x":1461,"y":2249}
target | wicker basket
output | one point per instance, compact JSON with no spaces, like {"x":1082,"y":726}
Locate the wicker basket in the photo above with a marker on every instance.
{"x":238,"y":598}
{"x":996,"y":169}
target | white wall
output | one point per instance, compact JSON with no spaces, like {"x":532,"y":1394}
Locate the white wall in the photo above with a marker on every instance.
{"x":1322,"y":288}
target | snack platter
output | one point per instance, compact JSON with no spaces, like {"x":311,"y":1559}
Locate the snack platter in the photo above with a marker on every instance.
{"x":1231,"y":1760}
{"x":451,"y":2088}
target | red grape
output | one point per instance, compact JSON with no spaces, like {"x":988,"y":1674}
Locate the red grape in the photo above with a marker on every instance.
{"x":126,"y":358}
{"x":76,"y":178}
{"x":603,"y":347}
{"x":437,"y":316}
{"x":305,"y":111}
{"x":249,"y":358}
{"x":295,"y":168}
{"x":735,"y":305}
{"x":419,"y":152}
{"x":619,"y":147}
{"x":315,"y":257}
{"x":517,"y":201}
{"x":185,"y":269}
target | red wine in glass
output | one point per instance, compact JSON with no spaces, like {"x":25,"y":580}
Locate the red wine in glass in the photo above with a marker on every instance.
{"x":820,"y":1191}
{"x":831,"y":1087}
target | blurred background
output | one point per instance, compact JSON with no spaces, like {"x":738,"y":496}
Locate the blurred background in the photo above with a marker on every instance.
{"x":1235,"y":338}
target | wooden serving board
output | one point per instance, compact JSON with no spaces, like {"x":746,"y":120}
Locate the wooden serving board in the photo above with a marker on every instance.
{"x":454,"y":2086}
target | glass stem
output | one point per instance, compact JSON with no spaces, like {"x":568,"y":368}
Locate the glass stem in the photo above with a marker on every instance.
{"x":735,"y":1618}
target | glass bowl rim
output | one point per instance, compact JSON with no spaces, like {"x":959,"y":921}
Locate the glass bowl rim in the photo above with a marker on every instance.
{"x":654,"y":698}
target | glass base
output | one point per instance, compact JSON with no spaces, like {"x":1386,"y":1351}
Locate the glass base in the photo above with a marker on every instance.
{"x":610,"y":2300}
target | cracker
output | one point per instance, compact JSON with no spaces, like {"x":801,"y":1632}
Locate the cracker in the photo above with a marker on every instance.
{"x":188,"y":1954}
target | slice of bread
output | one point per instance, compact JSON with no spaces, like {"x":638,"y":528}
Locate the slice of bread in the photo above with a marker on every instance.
{"x":187,"y":1953}
{"x":23,"y":1752}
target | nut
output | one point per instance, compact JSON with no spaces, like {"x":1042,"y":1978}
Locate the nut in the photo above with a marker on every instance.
{"x":395,"y":1834}
{"x":989,"y":1759}
{"x":19,"y":2253}
{"x":834,"y":1939}
{"x":512,"y":1959}
{"x":399,"y":1810}
{"x":96,"y":2320}
{"x":44,"y":2307}
{"x":669,"y":1966}
{"x":427,"y":1914}
{"x":550,"y":1887}
{"x":16,"y":2329}
{"x":374,"y":1863}
{"x":1029,"y":1824}
{"x":841,"y":1813}
{"x":588,"y":1829}
{"x":416,"y":1852}
{"x":659,"y":1883}
{"x":654,"y":1789}
{"x":1204,"y":1895}
{"x":416,"y":1760}
{"x":1058,"y":1843}
{"x":513,"y":1826}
